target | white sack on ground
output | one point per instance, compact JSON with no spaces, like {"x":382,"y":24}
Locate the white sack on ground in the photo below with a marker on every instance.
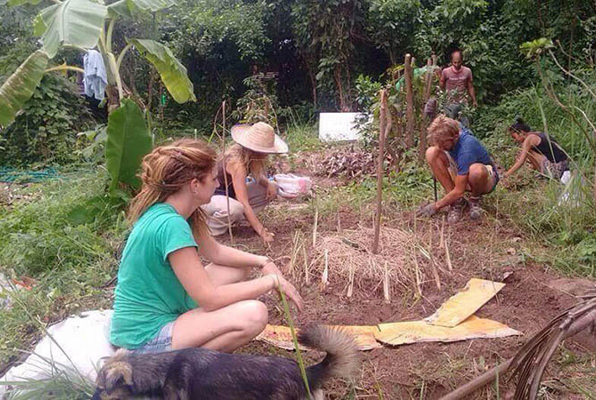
{"x":84,"y":338}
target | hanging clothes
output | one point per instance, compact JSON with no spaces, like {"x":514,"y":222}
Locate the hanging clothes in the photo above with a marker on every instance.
{"x":95,"y":79}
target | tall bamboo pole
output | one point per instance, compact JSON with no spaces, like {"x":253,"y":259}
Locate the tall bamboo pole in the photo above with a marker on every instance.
{"x":410,"y":121}
{"x":225,"y":172}
{"x":427,"y":89}
{"x":384,"y":123}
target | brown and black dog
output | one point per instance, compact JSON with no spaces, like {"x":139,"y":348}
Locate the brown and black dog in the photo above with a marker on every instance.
{"x":197,"y":373}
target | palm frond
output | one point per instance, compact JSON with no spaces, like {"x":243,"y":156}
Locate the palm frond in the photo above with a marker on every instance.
{"x":530,"y":362}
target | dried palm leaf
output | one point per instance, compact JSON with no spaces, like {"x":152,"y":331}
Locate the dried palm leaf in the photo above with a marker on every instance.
{"x":531,"y":361}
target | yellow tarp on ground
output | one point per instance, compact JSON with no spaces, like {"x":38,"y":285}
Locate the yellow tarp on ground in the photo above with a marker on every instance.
{"x":452,"y":322}
{"x":465,"y":303}
{"x":397,"y":333}
{"x":281,"y":336}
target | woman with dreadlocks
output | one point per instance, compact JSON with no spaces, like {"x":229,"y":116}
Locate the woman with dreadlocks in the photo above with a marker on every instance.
{"x":245,"y":158}
{"x":166,"y":298}
{"x":540,"y":150}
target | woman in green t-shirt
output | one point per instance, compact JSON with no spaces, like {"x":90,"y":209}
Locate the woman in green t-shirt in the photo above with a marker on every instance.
{"x":165,"y":298}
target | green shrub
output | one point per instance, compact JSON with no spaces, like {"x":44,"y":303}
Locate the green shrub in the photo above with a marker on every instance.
{"x":46,"y":129}
{"x":67,"y":228}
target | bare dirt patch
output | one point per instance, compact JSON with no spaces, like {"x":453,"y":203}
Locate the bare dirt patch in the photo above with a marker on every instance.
{"x":490,"y":249}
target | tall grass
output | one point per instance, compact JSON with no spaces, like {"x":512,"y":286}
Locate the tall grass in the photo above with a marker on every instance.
{"x":564,"y":229}
{"x":65,"y":235}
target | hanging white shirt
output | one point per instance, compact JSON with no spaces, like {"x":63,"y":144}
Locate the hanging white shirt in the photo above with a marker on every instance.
{"x":95,"y":79}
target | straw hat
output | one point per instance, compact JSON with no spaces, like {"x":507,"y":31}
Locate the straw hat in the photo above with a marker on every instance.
{"x":259,"y":137}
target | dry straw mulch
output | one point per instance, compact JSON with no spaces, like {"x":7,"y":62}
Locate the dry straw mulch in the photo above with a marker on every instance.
{"x":404,"y":262}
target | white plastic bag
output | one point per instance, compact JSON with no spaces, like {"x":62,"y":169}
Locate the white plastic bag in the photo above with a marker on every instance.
{"x":291,"y":186}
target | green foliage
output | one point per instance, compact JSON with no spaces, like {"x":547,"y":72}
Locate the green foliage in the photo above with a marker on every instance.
{"x":367,"y":91}
{"x":302,"y":137}
{"x":391,"y":24}
{"x":61,"y":230}
{"x":128,"y":141}
{"x":63,"y":383}
{"x":65,"y":237}
{"x":259,"y":102}
{"x":172,"y":72}
{"x":561,"y":217}
{"x":20,"y":86}
{"x":324,"y":32}
{"x":71,"y":22}
{"x":45,"y":131}
{"x":536,"y":47}
{"x":202,"y":24}
{"x":564,"y":229}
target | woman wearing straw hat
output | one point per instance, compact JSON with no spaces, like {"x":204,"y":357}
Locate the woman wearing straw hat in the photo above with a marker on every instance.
{"x":246,"y":158}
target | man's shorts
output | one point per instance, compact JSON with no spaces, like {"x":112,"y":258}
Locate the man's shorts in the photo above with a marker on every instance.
{"x":489,"y":168}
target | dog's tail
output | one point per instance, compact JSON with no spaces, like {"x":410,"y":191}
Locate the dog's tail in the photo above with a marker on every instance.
{"x":342,"y":359}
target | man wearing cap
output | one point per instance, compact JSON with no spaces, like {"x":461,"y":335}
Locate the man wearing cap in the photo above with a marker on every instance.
{"x":246,"y":159}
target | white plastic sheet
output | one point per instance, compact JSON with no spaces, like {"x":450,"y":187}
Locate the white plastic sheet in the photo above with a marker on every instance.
{"x":339,"y":126}
{"x":83,"y":338}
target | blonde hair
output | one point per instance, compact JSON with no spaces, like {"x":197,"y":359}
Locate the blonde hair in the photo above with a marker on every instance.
{"x":253,"y":162}
{"x":442,"y":128}
{"x":166,"y":170}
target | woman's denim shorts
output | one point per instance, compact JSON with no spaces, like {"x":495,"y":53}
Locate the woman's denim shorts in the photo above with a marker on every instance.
{"x":161,"y":342}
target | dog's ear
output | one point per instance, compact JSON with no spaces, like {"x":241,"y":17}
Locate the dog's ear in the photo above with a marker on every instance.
{"x":118,"y":373}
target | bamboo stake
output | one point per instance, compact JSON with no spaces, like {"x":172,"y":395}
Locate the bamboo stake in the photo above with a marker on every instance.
{"x":386,"y":293}
{"x":314,"y":229}
{"x":417,"y":274}
{"x":351,"y":280}
{"x":427,"y":89}
{"x":325,"y":276}
{"x":409,"y":102}
{"x":306,"y":272}
{"x":382,"y":130}
{"x":442,"y":240}
{"x":448,"y":256}
{"x":432,"y":259}
{"x":294,"y":255}
{"x":225,"y":173}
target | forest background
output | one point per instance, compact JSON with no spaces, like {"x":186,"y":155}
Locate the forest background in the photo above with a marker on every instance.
{"x":287,"y":61}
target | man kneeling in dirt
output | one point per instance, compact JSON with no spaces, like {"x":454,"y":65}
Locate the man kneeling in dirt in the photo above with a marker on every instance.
{"x":460,"y":163}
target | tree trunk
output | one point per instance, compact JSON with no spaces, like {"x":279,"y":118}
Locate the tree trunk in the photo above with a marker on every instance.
{"x":348,"y":98}
{"x":409,"y":103}
{"x":313,"y":83}
{"x":113,"y":98}
{"x":337,"y":75}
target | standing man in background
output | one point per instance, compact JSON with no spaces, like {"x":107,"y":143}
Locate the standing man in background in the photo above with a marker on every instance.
{"x":458,"y":82}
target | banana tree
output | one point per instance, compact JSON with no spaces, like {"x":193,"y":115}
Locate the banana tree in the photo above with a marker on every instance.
{"x":84,"y":25}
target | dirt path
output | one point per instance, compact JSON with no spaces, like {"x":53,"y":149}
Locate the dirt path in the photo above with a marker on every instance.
{"x":490,"y":249}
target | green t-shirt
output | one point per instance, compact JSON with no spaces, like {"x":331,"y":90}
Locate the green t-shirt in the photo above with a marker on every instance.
{"x":148,"y":294}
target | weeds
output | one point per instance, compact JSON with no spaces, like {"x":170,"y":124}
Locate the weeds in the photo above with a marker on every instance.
{"x":66,"y":238}
{"x":302,"y":138}
{"x":563,"y":231}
